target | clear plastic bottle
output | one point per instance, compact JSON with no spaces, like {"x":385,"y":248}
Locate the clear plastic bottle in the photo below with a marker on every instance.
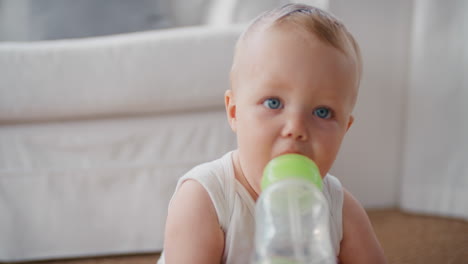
{"x":291,"y":214}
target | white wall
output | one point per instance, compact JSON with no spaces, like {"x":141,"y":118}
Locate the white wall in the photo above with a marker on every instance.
{"x":435,"y":168}
{"x":369,"y":164}
{"x":14,"y":20}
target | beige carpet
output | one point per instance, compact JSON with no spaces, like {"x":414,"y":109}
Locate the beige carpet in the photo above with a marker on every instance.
{"x":406,"y":239}
{"x":410,"y":238}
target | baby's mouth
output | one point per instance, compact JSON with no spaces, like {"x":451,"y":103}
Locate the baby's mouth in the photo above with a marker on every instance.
{"x":289,"y":151}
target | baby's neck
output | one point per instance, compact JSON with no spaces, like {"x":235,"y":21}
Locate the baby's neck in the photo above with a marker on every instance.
{"x":240,"y":176}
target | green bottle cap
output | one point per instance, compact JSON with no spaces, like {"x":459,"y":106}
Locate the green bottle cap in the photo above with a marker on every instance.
{"x":290,"y":166}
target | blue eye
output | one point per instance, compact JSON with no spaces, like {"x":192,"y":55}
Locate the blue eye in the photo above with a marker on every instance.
{"x":272,"y":103}
{"x":323,"y":112}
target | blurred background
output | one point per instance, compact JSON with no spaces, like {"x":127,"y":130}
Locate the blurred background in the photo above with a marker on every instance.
{"x":29,"y":20}
{"x":90,"y":88}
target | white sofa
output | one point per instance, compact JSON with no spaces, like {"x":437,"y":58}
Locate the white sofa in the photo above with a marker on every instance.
{"x":94,"y":134}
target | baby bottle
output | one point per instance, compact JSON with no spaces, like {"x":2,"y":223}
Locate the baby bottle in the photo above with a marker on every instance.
{"x":291,"y":214}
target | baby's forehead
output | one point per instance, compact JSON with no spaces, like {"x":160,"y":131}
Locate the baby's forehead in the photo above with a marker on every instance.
{"x":309,"y":23}
{"x":260,"y":38}
{"x":264,"y":55}
{"x":280,"y":40}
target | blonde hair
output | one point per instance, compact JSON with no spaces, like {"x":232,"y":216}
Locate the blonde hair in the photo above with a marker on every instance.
{"x":320,"y":23}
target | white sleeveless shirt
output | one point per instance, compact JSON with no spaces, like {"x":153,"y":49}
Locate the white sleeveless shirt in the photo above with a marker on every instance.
{"x":236,"y":208}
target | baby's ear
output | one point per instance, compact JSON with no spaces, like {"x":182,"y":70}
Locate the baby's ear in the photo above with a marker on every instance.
{"x":230,"y":104}
{"x":350,"y":122}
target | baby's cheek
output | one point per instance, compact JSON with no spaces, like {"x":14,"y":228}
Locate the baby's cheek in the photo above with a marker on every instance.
{"x":325,"y":156}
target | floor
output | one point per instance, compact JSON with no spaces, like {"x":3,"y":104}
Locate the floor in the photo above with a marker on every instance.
{"x":406,"y":239}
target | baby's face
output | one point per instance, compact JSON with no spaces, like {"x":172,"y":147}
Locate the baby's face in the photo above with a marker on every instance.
{"x":291,"y":94}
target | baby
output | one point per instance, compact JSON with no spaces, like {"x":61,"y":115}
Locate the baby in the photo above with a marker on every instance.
{"x":294,"y":83}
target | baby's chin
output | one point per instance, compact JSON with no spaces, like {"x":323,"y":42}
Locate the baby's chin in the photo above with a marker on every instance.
{"x":323,"y":173}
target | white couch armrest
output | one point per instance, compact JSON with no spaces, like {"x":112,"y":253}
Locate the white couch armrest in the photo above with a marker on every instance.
{"x":149,"y":72}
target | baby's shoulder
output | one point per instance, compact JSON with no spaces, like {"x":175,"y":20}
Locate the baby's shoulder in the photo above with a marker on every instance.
{"x":192,"y":224}
{"x":209,"y":185}
{"x":359,"y":244}
{"x":216,"y":171}
{"x":354,"y":215}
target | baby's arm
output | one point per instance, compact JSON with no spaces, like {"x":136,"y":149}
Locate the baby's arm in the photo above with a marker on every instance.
{"x":359,"y":244}
{"x":193,"y":234}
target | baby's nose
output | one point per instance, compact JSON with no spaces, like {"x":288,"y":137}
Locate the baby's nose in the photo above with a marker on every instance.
{"x":295,"y":129}
{"x":297,"y":136}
